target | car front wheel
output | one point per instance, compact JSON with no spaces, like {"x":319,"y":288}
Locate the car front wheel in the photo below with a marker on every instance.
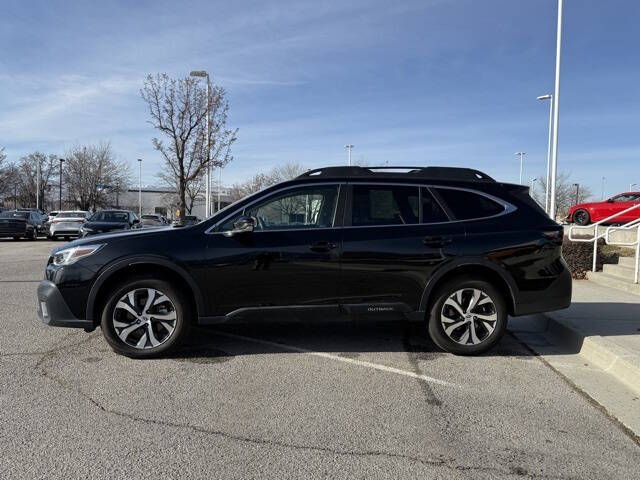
{"x":581,"y":217}
{"x":468,"y":316}
{"x":145,"y":318}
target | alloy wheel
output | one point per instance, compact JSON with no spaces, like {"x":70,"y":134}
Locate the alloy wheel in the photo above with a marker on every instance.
{"x":144,"y":318}
{"x":469,"y":316}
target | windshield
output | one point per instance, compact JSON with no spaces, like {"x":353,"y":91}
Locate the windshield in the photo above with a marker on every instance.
{"x":71,"y":215}
{"x":14,"y":215}
{"x":115,"y":217}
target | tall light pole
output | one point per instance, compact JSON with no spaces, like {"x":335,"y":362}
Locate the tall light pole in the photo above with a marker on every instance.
{"x":219,"y":185}
{"x":556,"y":112}
{"x":631,"y":185}
{"x":549,"y":97}
{"x":60,"y":186}
{"x":522,"y":154}
{"x":349,"y":147}
{"x":38,"y":185}
{"x":577,"y":185}
{"x":603,"y":179}
{"x":207,"y":202}
{"x":140,"y":187}
{"x":533,"y":181}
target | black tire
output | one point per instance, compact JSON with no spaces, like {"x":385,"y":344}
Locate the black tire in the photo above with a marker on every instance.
{"x":487,"y":332}
{"x":16,"y":238}
{"x":183,"y":318}
{"x":581,"y":217}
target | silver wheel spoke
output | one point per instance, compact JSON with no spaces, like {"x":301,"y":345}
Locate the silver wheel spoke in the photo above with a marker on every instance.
{"x":451,"y":328}
{"x":152,"y":337}
{"x":160,"y":299}
{"x":127,"y":307}
{"x":453,"y":304}
{"x":491,"y":318}
{"x":143,"y":341}
{"x":124,"y":334}
{"x":473,"y":301}
{"x":151,"y":295}
{"x":119,"y":324}
{"x":483,"y":301}
{"x":464,"y":338}
{"x":164,"y":316}
{"x":168,"y":327}
{"x":490,"y":327}
{"x":474,"y":336}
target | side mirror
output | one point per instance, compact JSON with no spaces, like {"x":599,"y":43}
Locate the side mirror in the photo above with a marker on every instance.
{"x":244,"y":224}
{"x":135,"y":220}
{"x":609,"y":200}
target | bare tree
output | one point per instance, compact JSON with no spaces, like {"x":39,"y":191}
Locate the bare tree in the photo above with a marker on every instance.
{"x":178,"y":109}
{"x":567,"y":194}
{"x":192,"y":190}
{"x":92,"y":175}
{"x":27,"y":177}
{"x":4,"y":173}
{"x":260,"y":181}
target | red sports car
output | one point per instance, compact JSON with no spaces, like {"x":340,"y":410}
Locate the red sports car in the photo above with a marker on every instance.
{"x":586,"y":213}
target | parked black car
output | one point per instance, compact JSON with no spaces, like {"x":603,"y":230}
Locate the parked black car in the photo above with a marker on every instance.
{"x":448,"y":246}
{"x":17,"y":224}
{"x":109,"y":220}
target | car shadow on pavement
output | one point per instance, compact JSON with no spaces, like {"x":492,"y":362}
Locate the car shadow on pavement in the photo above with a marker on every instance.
{"x":340,"y":336}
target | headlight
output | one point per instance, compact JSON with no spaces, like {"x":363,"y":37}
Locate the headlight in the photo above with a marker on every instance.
{"x":72,"y":255}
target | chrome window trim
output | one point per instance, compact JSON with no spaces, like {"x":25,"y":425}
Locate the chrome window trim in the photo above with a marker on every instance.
{"x":508,"y":208}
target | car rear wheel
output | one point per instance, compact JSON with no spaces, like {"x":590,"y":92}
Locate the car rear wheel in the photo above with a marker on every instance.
{"x":581,"y":217}
{"x":145,"y":318}
{"x":468,"y":316}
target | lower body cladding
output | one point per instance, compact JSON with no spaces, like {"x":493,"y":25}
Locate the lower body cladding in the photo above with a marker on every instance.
{"x":54,"y":311}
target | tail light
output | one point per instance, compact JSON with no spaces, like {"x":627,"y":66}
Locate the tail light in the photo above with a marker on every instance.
{"x":555,"y":236}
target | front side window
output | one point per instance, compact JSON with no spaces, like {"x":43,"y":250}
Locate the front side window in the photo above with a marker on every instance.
{"x":467,"y":205}
{"x":302,"y":208}
{"x":385,"y":205}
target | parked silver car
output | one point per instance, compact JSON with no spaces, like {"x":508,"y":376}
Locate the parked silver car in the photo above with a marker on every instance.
{"x":67,"y":224}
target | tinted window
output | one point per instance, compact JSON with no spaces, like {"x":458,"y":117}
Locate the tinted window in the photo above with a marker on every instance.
{"x":116,"y":217}
{"x":385,"y":205}
{"x":309,"y":207}
{"x":432,"y":212}
{"x":71,"y":215}
{"x":24,"y":215}
{"x":467,"y":205}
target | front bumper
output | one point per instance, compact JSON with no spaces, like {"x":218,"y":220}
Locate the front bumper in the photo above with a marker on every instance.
{"x":53,"y":310}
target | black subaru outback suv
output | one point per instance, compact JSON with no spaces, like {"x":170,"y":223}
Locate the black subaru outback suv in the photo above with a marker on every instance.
{"x":448,"y":246}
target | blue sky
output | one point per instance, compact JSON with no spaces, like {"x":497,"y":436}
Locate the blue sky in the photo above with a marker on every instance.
{"x":431,"y":82}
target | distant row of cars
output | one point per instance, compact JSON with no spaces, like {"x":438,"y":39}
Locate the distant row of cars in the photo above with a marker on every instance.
{"x":30,"y":223}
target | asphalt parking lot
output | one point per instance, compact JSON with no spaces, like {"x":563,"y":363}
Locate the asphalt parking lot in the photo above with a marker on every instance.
{"x":276,"y":398}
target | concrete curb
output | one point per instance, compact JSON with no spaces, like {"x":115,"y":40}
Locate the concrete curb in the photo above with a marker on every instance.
{"x":618,"y":361}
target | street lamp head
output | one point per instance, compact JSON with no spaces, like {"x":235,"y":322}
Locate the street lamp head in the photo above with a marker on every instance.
{"x":520,"y":153}
{"x":61,"y":160}
{"x":548,"y":96}
{"x":140,"y":160}
{"x":199,"y":73}
{"x":348,"y":146}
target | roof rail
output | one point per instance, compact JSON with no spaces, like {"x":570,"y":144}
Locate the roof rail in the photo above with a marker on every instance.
{"x":436,"y":173}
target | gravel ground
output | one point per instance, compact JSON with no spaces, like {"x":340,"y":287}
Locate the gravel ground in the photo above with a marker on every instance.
{"x":285,"y":398}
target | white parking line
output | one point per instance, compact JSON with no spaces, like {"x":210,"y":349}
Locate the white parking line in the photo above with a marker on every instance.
{"x":361,"y":363}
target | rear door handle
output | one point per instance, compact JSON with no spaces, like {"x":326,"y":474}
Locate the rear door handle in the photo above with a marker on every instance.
{"x":436,"y":241}
{"x":322,"y":246}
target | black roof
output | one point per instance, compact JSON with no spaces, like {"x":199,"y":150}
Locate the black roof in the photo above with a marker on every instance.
{"x":432,"y":173}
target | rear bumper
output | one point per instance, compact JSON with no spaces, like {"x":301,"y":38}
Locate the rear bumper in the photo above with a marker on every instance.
{"x":53,"y":310}
{"x":555,"y":297}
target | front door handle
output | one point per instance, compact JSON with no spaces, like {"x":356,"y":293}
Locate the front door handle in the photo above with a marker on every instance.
{"x":436,"y":241}
{"x":322,"y":246}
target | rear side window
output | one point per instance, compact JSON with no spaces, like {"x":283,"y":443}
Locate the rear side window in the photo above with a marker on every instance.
{"x":467,"y":205}
{"x":432,"y":212}
{"x":385,"y":205}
